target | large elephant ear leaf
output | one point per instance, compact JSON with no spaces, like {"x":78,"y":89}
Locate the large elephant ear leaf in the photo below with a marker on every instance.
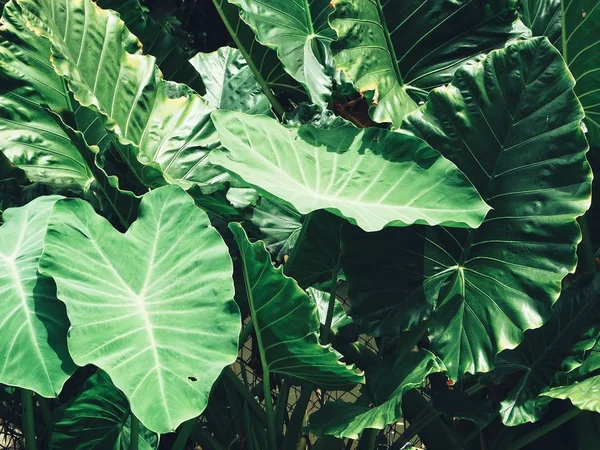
{"x":389,"y":384}
{"x":543,"y":18}
{"x":99,"y":417}
{"x":300,"y":33}
{"x":581,"y":50}
{"x":512,"y":124}
{"x":399,"y":51}
{"x":33,"y":323}
{"x":139,"y":303}
{"x":286,"y":322}
{"x":372,"y":177}
{"x":161,"y":129}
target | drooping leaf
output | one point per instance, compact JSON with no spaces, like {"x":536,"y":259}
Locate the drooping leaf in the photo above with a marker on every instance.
{"x":262,"y":60}
{"x":583,"y":394}
{"x":300,"y":33}
{"x":171,"y":56}
{"x":542,"y":354}
{"x":33,"y":323}
{"x":321,"y":299}
{"x":388,"y":385}
{"x":153,"y":307}
{"x":581,"y":50}
{"x":98,"y":418}
{"x":372,"y":177}
{"x":401,"y":50}
{"x":161,"y":129}
{"x":286,"y":322}
{"x":230,"y":84}
{"x":512,"y":124}
{"x":543,"y":18}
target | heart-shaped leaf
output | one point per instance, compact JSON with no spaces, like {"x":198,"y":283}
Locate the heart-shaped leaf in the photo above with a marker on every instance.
{"x":152,"y":307}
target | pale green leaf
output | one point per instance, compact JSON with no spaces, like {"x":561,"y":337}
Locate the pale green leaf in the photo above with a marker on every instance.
{"x":372,"y":177}
{"x":152,"y":307}
{"x":33,"y":323}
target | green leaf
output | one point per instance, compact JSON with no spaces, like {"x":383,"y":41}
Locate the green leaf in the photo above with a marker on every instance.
{"x":171,"y":56}
{"x":99,"y":417}
{"x":288,"y":345}
{"x":300,"y":33}
{"x":581,"y":50}
{"x":372,"y":177}
{"x":230,"y":84}
{"x":542,"y":354}
{"x":262,"y":60}
{"x":388,"y":384}
{"x":543,"y":18}
{"x":160,"y":128}
{"x":11,"y":180}
{"x":321,"y":299}
{"x":401,"y":50}
{"x":512,"y":124}
{"x":139,"y":302}
{"x":33,"y":324}
{"x":584,"y":395}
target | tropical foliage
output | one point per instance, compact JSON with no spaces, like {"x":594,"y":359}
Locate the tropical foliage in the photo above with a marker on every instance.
{"x":427,"y":161}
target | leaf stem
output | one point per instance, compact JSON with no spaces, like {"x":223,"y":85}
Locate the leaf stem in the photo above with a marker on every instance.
{"x":28,"y":420}
{"x":184,"y":434}
{"x":331,"y":305}
{"x":46,"y":412}
{"x":243,"y":391}
{"x":295,"y":426}
{"x":134,"y":436}
{"x":545,"y":429}
{"x":368,"y":440}
{"x":279,"y":109}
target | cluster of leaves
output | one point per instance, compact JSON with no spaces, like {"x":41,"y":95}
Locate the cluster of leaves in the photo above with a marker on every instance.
{"x":431,"y":155}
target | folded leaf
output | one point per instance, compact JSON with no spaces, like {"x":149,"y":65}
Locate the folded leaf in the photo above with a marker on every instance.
{"x":584,"y":395}
{"x":372,"y":177}
{"x":160,"y":128}
{"x":388,"y":383}
{"x":98,"y":418}
{"x":581,"y":50}
{"x":33,"y":324}
{"x":399,"y":48}
{"x":299,"y":32}
{"x":139,"y":302}
{"x":230,"y":84}
{"x":512,"y":124}
{"x":543,"y":18}
{"x":286,"y":322}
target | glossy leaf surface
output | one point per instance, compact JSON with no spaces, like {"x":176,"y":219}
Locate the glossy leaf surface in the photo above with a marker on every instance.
{"x":33,"y":324}
{"x":372,"y":177}
{"x":98,"y":418}
{"x":139,"y":303}
{"x":512,"y":124}
{"x":291,"y":346}
{"x":388,"y":383}
{"x":399,"y":50}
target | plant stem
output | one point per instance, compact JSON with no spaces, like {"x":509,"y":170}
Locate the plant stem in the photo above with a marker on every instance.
{"x":134,"y":436}
{"x":368,"y":439}
{"x":281,"y":407}
{"x":295,"y":426}
{"x":585,"y":251}
{"x":206,"y":441}
{"x":184,"y":434}
{"x":271,"y":439}
{"x":331,"y":305}
{"x":246,"y":395}
{"x":246,"y":332}
{"x":544,"y":429}
{"x":259,"y":77}
{"x":28,"y":420}
{"x":46,"y":413}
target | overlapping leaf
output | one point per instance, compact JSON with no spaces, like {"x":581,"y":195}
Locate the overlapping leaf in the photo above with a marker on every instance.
{"x":33,"y":323}
{"x":291,"y":346}
{"x":161,"y":129}
{"x":401,"y":50}
{"x":230,"y":83}
{"x":153,"y":307}
{"x":512,"y":124}
{"x":300,"y":33}
{"x":581,"y":50}
{"x":372,"y":177}
{"x":98,"y":418}
{"x":388,"y":383}
{"x":543,"y":18}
